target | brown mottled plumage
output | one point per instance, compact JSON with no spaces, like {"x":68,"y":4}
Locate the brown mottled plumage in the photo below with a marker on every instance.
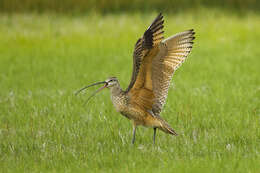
{"x":154,"y":62}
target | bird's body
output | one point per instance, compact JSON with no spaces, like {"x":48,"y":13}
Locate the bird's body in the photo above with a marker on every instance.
{"x":155,"y":60}
{"x":139,"y":115}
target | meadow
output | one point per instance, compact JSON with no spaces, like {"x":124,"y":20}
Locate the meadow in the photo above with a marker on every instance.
{"x":214,"y":101}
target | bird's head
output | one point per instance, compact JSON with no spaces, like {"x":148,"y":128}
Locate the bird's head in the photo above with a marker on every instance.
{"x":109,"y":83}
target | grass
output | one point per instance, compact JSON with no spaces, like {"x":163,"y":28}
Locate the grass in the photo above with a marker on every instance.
{"x":214,"y":103}
{"x":129,"y":6}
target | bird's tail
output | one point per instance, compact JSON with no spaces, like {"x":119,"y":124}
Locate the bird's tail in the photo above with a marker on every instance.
{"x":164,"y":126}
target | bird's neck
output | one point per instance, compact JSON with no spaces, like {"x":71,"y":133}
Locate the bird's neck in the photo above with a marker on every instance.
{"x":116,"y":90}
{"x":118,"y":97}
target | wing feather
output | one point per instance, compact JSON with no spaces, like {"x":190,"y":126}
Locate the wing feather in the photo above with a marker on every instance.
{"x":151,"y":37}
{"x":174,"y":50}
{"x":155,"y":61}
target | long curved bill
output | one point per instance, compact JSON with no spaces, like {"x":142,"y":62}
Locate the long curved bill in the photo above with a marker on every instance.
{"x":93,"y":94}
{"x":97,"y":83}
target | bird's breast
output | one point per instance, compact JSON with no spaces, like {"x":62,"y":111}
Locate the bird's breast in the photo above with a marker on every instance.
{"x":119,"y":102}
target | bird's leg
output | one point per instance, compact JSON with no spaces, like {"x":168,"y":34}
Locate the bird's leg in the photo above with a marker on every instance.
{"x":154,"y":133}
{"x":133,"y":139}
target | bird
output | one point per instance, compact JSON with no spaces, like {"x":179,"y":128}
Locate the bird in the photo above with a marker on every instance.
{"x":155,"y":59}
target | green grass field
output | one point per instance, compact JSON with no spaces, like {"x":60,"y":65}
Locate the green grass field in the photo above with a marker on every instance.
{"x":214,"y":103}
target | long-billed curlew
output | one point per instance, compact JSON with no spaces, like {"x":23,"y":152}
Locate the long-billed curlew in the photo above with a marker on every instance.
{"x":154,"y":61}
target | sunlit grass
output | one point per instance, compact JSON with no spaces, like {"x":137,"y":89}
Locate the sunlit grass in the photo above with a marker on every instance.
{"x":214,"y":103}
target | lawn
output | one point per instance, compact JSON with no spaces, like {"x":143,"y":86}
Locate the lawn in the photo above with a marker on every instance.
{"x":214,"y":102}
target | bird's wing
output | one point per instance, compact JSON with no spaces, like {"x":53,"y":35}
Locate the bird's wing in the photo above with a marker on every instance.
{"x":173,"y":52}
{"x":150,"y":39}
{"x":155,"y":64}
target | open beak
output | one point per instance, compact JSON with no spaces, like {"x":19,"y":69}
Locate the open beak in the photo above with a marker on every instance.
{"x":97,"y":83}
{"x":105,"y":85}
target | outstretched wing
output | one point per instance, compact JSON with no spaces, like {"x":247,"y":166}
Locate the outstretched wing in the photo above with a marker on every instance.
{"x":154,"y":64}
{"x":152,"y":36}
{"x":176,"y":50}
